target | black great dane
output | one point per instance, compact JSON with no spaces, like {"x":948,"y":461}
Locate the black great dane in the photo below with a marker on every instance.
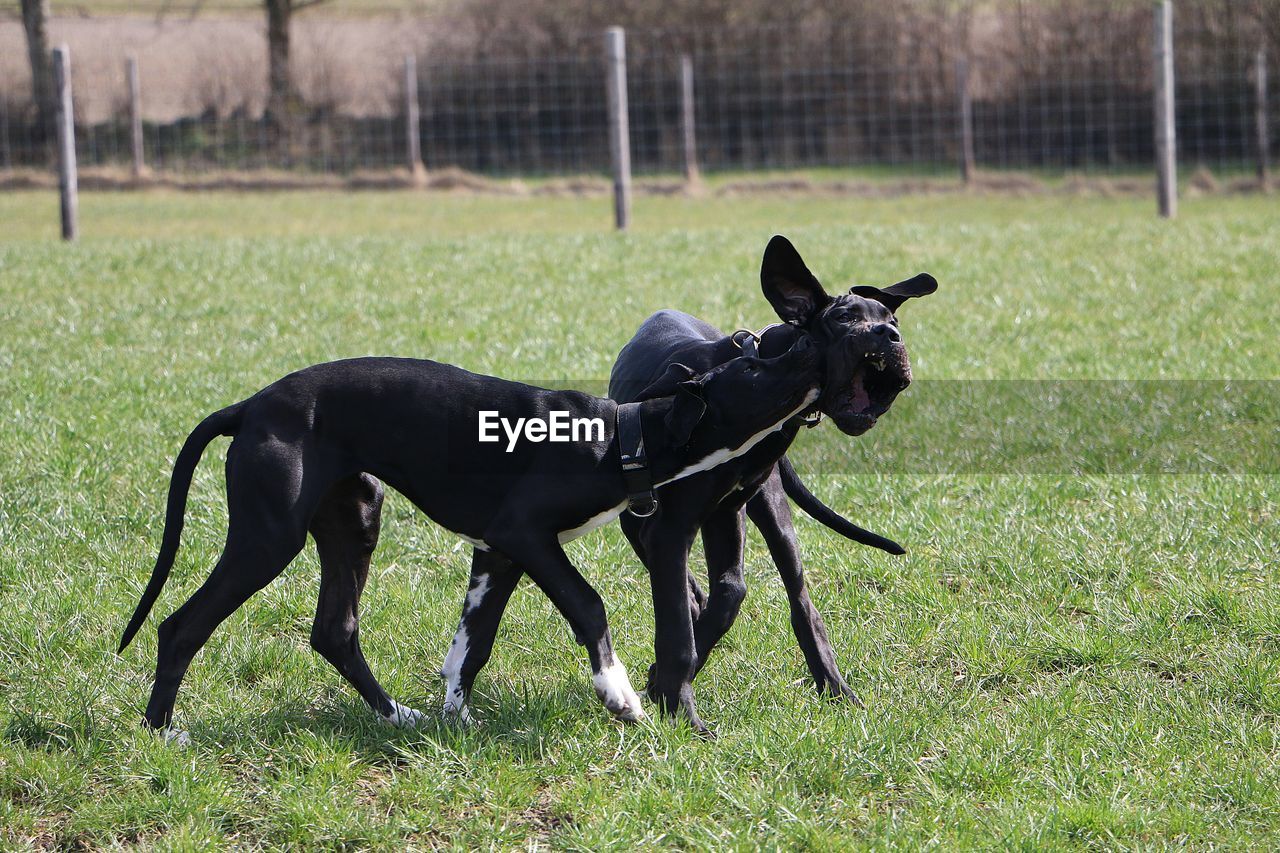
{"x":866,"y":366}
{"x":307,"y":448}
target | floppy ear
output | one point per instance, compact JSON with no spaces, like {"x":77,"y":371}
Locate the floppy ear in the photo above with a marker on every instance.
{"x":788,"y":285}
{"x":894,"y":295}
{"x":687,"y":409}
{"x":666,"y":384}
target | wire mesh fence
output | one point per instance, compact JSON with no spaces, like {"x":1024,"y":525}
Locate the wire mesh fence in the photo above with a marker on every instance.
{"x":1047,"y":96}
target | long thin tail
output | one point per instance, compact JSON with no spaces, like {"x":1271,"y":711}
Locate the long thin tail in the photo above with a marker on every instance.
{"x":805,"y":499}
{"x":224,"y":422}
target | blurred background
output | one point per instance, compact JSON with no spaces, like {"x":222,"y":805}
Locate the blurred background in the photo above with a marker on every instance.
{"x":318,"y":91}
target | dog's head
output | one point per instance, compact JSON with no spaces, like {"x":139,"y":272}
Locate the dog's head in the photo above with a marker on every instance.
{"x":857,"y":332}
{"x":739,"y":399}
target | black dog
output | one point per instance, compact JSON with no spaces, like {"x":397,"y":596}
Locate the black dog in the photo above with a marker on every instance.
{"x":307,"y":448}
{"x":866,"y":366}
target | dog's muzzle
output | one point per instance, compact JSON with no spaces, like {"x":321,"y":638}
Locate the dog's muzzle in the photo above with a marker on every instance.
{"x":864,"y":384}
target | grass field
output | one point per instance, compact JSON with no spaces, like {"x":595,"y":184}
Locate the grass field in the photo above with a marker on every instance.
{"x":1062,"y":659}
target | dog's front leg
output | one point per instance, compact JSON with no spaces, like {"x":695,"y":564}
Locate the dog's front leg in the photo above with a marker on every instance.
{"x":493,"y":579}
{"x":675,"y":655}
{"x":722,"y":542}
{"x":771,"y":513}
{"x":544,"y":561}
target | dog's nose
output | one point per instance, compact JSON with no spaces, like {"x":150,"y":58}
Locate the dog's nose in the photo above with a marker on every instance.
{"x":891,"y":331}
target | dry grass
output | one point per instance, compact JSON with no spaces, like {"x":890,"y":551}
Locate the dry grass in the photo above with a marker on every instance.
{"x":1201,"y":182}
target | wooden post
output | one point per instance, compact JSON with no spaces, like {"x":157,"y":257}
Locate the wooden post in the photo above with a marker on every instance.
{"x":965,"y":103}
{"x":1166,"y":135}
{"x":68,"y":189}
{"x":691,"y":174}
{"x":135,"y":116}
{"x":1260,"y":118}
{"x":412,"y":121}
{"x":615,"y":55}
{"x":6,"y":155}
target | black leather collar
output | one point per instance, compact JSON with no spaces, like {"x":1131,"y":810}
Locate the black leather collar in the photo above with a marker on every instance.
{"x":641,"y":501}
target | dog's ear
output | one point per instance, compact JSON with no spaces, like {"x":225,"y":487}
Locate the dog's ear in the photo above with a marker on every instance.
{"x":894,"y":295}
{"x":666,"y":384}
{"x":687,"y":410}
{"x":788,"y":285}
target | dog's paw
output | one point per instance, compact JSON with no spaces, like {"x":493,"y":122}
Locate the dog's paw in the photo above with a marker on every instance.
{"x":837,"y":690}
{"x":403,"y":717}
{"x":459,"y":714}
{"x":613,"y":687}
{"x":177,"y":737}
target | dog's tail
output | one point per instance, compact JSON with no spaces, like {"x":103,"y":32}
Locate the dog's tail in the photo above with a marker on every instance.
{"x":805,"y":499}
{"x":224,"y":422}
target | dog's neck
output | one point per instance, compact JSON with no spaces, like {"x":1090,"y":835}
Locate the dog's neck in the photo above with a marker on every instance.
{"x":778,"y":339}
{"x":669,"y":465}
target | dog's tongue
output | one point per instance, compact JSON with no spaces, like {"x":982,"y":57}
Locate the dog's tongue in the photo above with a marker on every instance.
{"x":860,"y":400}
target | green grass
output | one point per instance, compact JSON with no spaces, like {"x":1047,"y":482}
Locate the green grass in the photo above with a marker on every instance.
{"x":1061,"y":661}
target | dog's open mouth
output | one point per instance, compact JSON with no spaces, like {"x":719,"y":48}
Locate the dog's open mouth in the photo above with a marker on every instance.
{"x":877,"y":379}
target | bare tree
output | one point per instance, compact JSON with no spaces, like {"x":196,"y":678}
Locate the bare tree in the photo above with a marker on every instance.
{"x":282,"y":95}
{"x":35,"y":17}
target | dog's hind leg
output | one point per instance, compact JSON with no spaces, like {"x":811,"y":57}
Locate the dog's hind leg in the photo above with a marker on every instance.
{"x":722,"y":541}
{"x":245,"y":567}
{"x":493,"y":579}
{"x":546,"y":564}
{"x":771,"y":513}
{"x":268,"y":504}
{"x":345,"y":527}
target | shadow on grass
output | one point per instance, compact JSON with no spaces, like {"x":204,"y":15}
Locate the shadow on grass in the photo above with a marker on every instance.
{"x":507,"y":722}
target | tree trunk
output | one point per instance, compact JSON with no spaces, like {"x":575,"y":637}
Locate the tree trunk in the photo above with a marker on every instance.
{"x":279,"y":78}
{"x":35,"y":16}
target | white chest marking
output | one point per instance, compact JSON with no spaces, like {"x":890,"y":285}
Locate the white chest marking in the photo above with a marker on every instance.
{"x":597,"y":520}
{"x":478,"y":544}
{"x":719,"y":457}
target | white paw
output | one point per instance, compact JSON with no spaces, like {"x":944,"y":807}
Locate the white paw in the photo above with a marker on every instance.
{"x":456,"y":713}
{"x":178,"y":737}
{"x":614,"y":689}
{"x":402,"y":716}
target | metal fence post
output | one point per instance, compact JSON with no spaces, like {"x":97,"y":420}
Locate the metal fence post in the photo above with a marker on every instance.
{"x":965,"y":100}
{"x":687,"y":127}
{"x":68,"y":190}
{"x":1260,"y":119}
{"x":135,"y":115}
{"x":1166,"y":135}
{"x":412,"y":120}
{"x":615,"y":54}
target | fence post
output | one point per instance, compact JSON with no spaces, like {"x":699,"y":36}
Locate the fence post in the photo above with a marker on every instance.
{"x":965,"y":102}
{"x":6,"y":155}
{"x":412,"y":120}
{"x":1166,"y":135}
{"x":135,"y":116}
{"x":1260,"y":118}
{"x":68,"y":189}
{"x":615,"y":55}
{"x":691,"y":174}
